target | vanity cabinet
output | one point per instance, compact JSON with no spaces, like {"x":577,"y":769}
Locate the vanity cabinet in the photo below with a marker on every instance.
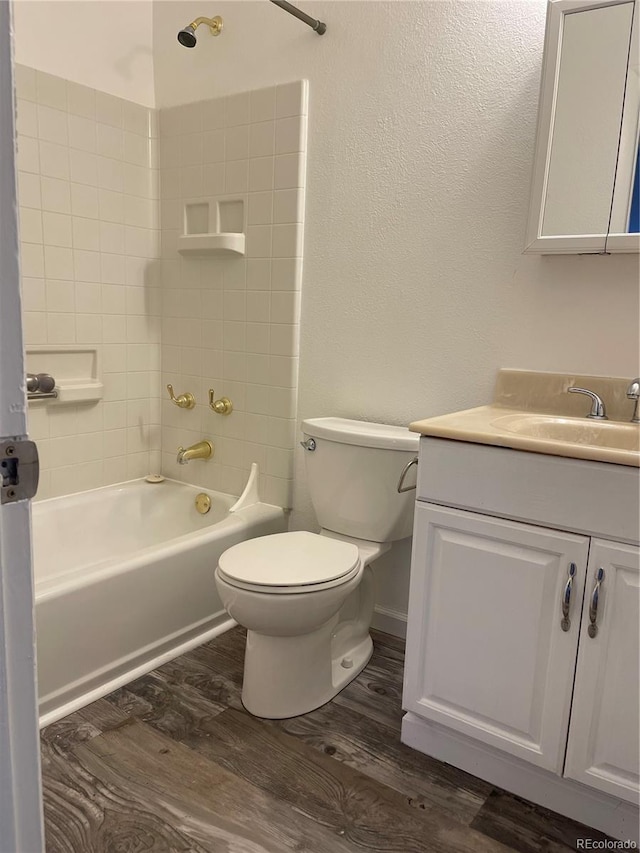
{"x":520,"y":667}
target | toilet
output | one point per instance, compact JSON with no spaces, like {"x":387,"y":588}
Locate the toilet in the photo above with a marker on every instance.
{"x":307,"y":599}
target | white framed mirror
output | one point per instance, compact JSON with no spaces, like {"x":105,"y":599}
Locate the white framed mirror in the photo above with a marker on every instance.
{"x":584,"y":192}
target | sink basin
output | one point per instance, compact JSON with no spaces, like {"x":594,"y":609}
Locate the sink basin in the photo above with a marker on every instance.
{"x":610,"y":434}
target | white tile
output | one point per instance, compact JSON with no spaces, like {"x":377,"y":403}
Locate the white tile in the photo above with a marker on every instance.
{"x":29,"y":190}
{"x":112,"y":238}
{"x":280,"y":459}
{"x":109,"y":109}
{"x":110,"y":141}
{"x":86,"y":234}
{"x":88,"y":298}
{"x":284,"y":306}
{"x":86,"y":265}
{"x":135,"y":149}
{"x":111,"y":206}
{"x":170,"y":147}
{"x":258,"y":243}
{"x":51,"y":90}
{"x":258,"y":337}
{"x":235,"y":305}
{"x":34,"y":327}
{"x":84,"y":168}
{"x":213,"y":113}
{"x":190,"y":150}
{"x":235,"y":366}
{"x":235,"y":274}
{"x":27,"y":118}
{"x":82,"y":133}
{"x":137,"y":180}
{"x":54,"y":160}
{"x":282,"y":402}
{"x":262,"y":139}
{"x":58,"y":263}
{"x":277,"y":491}
{"x":56,"y":195}
{"x":56,"y":229}
{"x":262,"y":104}
{"x":170,"y":183}
{"x":291,"y":135}
{"x":213,"y":179}
{"x":287,"y":241}
{"x":114,"y":299}
{"x":237,"y":109}
{"x":84,"y":201}
{"x":30,"y":225}
{"x":33,"y":294}
{"x":258,"y":274}
{"x":288,"y":206}
{"x":25,"y":81}
{"x":258,"y":306}
{"x":236,"y":176}
{"x":115,"y":442}
{"x":61,"y":328}
{"x":112,"y":268}
{"x":170,"y":122}
{"x":135,"y":118}
{"x":283,"y":371}
{"x":115,"y":414}
{"x":189,"y":117}
{"x":52,"y":125}
{"x":213,"y":146}
{"x":260,"y":208}
{"x":289,"y":171}
{"x":88,"y":328}
{"x":28,"y":159}
{"x":191,"y":180}
{"x":261,"y":174}
{"x":110,"y":174}
{"x":284,"y":339}
{"x":236,"y":143}
{"x":32,"y":260}
{"x":258,"y":368}
{"x":291,"y":99}
{"x":81,"y":100}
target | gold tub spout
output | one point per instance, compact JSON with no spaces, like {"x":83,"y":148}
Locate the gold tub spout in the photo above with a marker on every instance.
{"x":201,"y":450}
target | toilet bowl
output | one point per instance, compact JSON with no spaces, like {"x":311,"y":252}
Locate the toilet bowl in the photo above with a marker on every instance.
{"x":307,"y":599}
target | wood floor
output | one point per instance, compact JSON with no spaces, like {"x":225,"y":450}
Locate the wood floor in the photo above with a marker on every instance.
{"x":172,"y":762}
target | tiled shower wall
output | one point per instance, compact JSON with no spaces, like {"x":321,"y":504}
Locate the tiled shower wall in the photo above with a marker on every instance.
{"x":229,"y":322}
{"x":88,"y":195}
{"x":92,"y":275}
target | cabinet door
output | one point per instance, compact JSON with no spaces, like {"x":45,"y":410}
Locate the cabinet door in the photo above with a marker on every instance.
{"x":603,"y":744}
{"x":486,"y":653}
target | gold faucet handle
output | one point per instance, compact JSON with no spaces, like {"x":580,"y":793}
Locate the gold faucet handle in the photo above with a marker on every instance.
{"x":184,"y":401}
{"x":223,"y":406}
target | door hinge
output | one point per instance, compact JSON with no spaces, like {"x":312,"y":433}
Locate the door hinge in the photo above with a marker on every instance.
{"x":19,"y":470}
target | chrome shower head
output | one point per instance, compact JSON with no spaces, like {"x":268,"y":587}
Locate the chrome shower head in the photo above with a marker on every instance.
{"x":187,"y":36}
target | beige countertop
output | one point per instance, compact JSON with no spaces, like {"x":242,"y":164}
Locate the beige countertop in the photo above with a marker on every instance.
{"x":533,"y":411}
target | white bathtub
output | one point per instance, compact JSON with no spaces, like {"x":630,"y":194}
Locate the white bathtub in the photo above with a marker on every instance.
{"x":124,"y":582}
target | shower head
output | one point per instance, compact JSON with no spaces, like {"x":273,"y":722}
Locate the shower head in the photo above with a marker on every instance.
{"x":187,"y":36}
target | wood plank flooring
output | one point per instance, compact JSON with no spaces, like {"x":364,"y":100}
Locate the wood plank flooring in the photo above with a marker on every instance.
{"x":173,"y":763}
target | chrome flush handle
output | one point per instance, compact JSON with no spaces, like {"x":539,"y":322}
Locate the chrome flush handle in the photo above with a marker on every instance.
{"x":592,"y":630}
{"x":565,"y":624}
{"x":401,"y":486}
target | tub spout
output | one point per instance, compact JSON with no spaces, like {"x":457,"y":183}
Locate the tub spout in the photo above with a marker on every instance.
{"x":201,"y":450}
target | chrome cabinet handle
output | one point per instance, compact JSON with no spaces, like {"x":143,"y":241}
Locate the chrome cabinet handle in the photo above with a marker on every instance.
{"x":592,"y":630}
{"x":565,"y":623}
{"x":405,"y":471}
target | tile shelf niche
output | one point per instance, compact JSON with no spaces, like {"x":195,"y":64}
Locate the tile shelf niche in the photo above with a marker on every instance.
{"x":213,"y":227}
{"x":77,"y":371}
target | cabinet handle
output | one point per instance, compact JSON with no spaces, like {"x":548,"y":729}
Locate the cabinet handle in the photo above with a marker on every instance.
{"x":592,"y":630}
{"x":565,"y":623}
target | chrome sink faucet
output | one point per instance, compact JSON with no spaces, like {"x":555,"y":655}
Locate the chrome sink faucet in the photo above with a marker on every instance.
{"x":633,"y":393}
{"x":597,"y":406}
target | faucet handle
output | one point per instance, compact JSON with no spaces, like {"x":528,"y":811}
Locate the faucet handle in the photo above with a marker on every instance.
{"x":184,"y":401}
{"x":597,"y":406}
{"x":223,"y":406}
{"x":633,"y":393}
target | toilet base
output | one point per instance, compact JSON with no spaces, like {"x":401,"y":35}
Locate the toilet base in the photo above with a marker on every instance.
{"x":289,"y":676}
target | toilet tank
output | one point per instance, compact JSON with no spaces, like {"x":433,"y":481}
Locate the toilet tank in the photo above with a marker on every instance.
{"x":353,"y":474}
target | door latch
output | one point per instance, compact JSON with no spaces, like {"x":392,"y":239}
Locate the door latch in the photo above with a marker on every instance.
{"x":19,"y":470}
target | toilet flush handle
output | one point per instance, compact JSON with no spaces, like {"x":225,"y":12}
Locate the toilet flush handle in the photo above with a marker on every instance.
{"x":309,"y":444}
{"x":405,"y":471}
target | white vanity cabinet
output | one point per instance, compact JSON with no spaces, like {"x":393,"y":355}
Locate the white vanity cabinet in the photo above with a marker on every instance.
{"x":503,"y":677}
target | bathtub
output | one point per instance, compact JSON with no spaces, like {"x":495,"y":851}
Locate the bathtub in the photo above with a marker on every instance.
{"x":124,"y":582}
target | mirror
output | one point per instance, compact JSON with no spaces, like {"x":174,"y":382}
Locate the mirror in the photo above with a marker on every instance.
{"x":584,"y":194}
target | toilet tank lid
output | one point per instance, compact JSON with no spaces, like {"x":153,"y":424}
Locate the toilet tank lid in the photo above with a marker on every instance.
{"x":361,"y":433}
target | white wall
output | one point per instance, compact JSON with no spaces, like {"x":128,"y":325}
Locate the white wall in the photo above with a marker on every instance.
{"x":105,"y":44}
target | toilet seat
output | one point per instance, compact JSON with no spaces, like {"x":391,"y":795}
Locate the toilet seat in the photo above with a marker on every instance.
{"x":290,"y":563}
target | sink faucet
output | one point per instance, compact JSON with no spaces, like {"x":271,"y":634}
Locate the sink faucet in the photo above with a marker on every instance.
{"x":597,"y":406}
{"x":633,"y":393}
{"x":201,"y":450}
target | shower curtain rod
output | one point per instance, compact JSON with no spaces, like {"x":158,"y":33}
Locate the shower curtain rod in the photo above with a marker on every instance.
{"x":316,"y":25}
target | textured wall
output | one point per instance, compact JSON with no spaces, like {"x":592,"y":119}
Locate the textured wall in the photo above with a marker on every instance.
{"x":88,"y":195}
{"x":106,"y":44}
{"x":421,"y":132}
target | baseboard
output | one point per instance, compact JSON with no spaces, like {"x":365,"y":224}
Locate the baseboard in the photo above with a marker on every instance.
{"x":613,"y":816}
{"x":390,"y":621}
{"x":62,"y":705}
